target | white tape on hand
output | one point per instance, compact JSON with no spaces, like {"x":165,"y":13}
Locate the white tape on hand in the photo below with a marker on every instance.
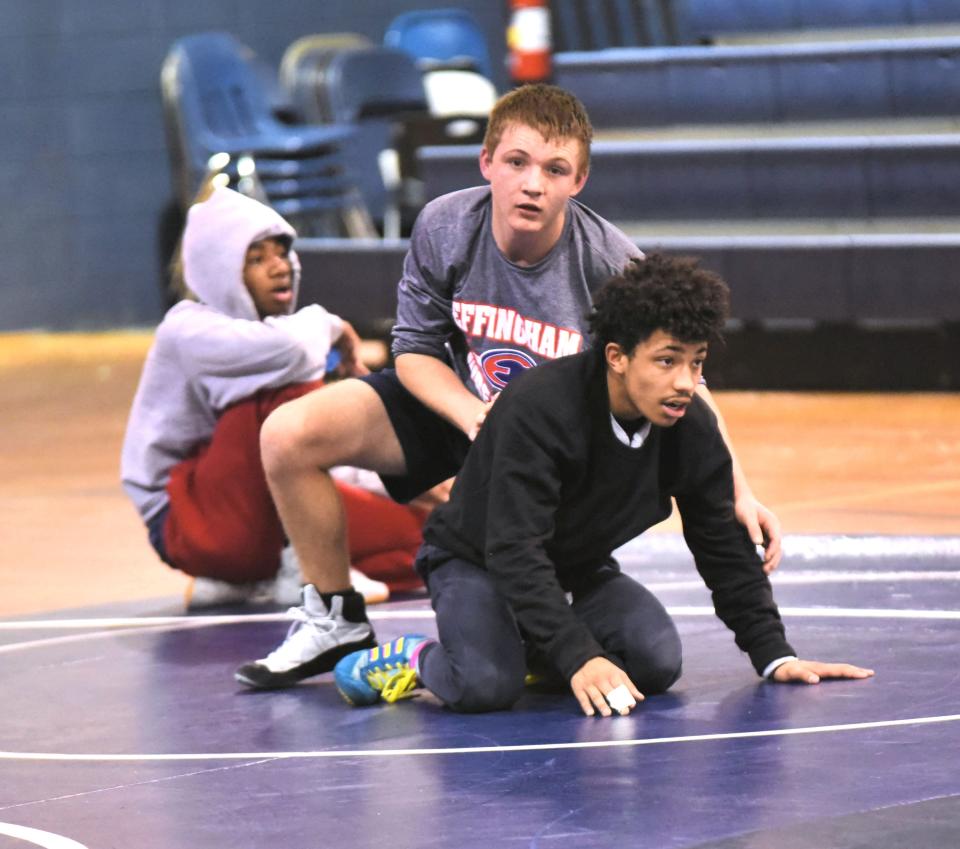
{"x":620,"y":699}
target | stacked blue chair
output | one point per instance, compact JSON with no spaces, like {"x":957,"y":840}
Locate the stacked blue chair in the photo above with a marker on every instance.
{"x":441,"y":38}
{"x":303,"y":69}
{"x":373,"y":82}
{"x":380,"y":90}
{"x":217,"y":101}
{"x":451,"y":51}
{"x":381,"y":93}
{"x":371,"y":89}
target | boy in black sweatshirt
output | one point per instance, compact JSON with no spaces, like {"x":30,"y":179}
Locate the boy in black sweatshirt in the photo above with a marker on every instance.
{"x":575,"y":459}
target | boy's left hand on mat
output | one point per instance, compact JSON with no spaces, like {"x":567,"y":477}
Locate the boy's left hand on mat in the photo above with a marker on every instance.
{"x":812,"y":671}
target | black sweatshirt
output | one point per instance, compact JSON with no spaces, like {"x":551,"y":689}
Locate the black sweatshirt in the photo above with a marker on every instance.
{"x":547,"y":493}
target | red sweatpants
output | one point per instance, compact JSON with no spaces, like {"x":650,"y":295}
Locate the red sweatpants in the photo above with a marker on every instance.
{"x":223,"y":524}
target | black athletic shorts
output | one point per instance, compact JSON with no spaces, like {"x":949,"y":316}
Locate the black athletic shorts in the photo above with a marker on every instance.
{"x":433,"y":449}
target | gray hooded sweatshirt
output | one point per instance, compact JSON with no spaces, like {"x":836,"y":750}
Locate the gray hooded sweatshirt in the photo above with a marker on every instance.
{"x":211,"y":353}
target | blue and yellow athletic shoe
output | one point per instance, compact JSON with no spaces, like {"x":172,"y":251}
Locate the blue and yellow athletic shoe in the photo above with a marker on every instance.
{"x":383,"y":672}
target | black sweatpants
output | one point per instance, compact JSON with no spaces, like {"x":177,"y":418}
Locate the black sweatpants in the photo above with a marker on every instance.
{"x":481,"y":661}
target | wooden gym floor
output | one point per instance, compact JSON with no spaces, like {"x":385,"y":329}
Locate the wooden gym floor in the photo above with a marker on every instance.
{"x":854,"y":464}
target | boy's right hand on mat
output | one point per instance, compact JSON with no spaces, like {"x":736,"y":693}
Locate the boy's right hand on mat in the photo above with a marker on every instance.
{"x":599,"y":679}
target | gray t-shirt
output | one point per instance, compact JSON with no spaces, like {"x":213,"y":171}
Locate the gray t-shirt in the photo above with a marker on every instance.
{"x":460,"y":299}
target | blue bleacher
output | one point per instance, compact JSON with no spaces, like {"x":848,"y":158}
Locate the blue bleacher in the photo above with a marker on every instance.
{"x":603,"y":24}
{"x":892,"y":78}
{"x":594,"y":25}
{"x":702,"y":19}
{"x":857,"y":177}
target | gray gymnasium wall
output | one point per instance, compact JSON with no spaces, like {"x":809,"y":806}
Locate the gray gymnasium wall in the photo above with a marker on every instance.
{"x":84,"y":178}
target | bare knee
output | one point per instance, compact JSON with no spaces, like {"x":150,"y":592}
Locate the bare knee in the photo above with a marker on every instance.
{"x":343,"y":424}
{"x":284,"y":441}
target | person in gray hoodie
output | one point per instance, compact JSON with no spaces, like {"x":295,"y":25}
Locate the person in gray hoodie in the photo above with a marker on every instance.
{"x":219,"y":365}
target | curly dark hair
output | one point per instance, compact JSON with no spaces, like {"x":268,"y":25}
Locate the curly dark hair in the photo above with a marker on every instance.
{"x":672,"y":294}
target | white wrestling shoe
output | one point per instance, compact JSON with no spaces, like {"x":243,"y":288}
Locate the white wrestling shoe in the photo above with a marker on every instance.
{"x":317,"y":639}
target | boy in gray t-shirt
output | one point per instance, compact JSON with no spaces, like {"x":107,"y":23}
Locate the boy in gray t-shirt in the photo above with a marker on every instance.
{"x":498,"y":279}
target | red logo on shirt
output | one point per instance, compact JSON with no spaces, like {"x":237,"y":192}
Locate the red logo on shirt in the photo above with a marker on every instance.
{"x":502,"y":365}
